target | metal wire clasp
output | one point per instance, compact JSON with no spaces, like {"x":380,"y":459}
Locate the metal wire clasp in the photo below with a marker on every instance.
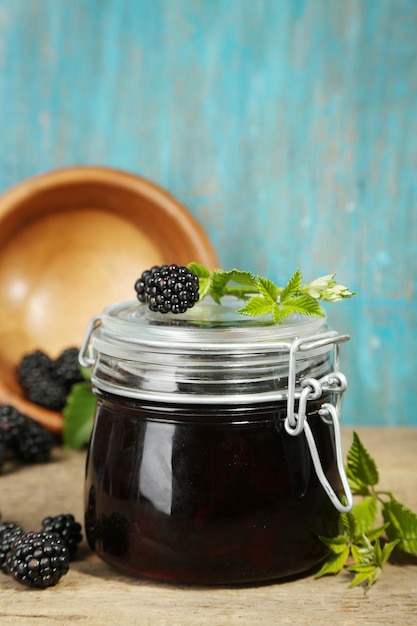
{"x":86,"y":354}
{"x":312,"y":389}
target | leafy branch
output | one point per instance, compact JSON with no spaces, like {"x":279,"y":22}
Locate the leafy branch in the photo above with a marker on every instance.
{"x":361,"y":546}
{"x":264,"y":297}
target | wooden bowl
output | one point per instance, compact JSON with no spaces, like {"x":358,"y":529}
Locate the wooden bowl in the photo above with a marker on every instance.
{"x":71,"y":242}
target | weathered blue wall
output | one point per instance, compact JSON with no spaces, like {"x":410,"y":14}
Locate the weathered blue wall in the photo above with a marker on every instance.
{"x":288,"y":127}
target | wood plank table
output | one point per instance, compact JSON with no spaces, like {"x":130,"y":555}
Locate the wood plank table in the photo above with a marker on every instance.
{"x":94,"y":593}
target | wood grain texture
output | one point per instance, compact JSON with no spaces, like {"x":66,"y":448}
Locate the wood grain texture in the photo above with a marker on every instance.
{"x":289,"y":129}
{"x":94,"y":593}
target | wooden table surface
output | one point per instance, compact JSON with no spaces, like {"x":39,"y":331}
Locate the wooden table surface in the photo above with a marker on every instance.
{"x":94,"y":593}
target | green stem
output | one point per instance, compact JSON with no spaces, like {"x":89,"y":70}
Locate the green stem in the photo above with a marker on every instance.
{"x":242,"y":293}
{"x":384,"y":493}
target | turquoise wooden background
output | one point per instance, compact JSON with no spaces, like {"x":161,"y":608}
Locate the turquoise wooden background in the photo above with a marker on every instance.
{"x":287,"y":127}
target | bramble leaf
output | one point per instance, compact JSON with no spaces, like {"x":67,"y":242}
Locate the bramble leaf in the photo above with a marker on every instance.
{"x":349,"y":524}
{"x":219,"y":284}
{"x":284,"y":301}
{"x":334,"y":563}
{"x":402,"y":525}
{"x":365,"y":513}
{"x":267,"y":288}
{"x":204,"y":278}
{"x":305,"y":305}
{"x":364,"y":572}
{"x":336,"y":544}
{"x":78,"y":416}
{"x":293,"y":287}
{"x":280,"y":312}
{"x":361,"y":467}
{"x":199,"y":270}
{"x":256,"y":306}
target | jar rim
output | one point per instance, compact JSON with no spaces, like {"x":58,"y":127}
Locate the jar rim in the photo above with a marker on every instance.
{"x":205,"y":326}
{"x":209,"y":353}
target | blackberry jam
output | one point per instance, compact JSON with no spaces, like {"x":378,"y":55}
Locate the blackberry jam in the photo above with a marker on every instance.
{"x":215,"y":444}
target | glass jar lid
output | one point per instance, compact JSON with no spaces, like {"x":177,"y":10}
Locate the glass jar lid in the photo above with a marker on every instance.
{"x":209,"y":354}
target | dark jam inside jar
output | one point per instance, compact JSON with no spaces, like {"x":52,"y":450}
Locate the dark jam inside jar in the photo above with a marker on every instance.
{"x":207,"y":494}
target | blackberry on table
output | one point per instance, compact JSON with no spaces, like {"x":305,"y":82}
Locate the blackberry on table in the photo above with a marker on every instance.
{"x":34,"y":444}
{"x":10,"y":532}
{"x":28,"y":440}
{"x":10,"y":424}
{"x":37,"y":559}
{"x":6,"y":526}
{"x":168,"y":288}
{"x":67,"y":528}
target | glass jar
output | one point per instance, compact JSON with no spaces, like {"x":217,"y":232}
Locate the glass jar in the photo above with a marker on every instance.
{"x":215,"y":455}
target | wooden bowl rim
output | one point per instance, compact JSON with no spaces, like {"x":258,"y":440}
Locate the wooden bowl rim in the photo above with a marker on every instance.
{"x":22,"y":192}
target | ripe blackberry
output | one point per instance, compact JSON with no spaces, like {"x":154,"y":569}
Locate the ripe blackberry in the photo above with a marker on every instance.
{"x":67,"y":370}
{"x":66,"y":528}
{"x":47,"y":392}
{"x":9,"y":531}
{"x":37,"y":559}
{"x":36,"y":372}
{"x":34,"y":444}
{"x":29,"y":441}
{"x":168,"y":288}
{"x":47,"y":382}
{"x":6,"y":526}
{"x":10,"y":424}
{"x":33,"y":366}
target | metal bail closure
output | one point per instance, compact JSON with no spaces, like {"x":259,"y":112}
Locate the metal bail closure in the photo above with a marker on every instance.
{"x":312,"y":389}
{"x":86,"y":354}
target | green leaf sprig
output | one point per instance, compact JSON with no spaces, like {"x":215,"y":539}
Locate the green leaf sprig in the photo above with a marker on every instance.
{"x":361,"y":545}
{"x":264,"y":297}
{"x":79,"y":413}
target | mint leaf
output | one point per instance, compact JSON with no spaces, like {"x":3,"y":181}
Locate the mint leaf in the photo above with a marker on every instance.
{"x":402,"y":525}
{"x":361,"y":467}
{"x":78,"y":416}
